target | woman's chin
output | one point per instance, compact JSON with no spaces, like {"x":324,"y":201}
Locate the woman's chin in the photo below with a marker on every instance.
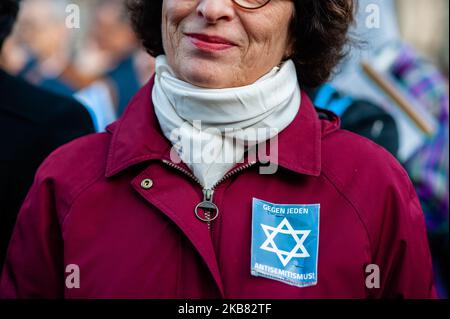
{"x":206,"y":71}
{"x":208,"y":79}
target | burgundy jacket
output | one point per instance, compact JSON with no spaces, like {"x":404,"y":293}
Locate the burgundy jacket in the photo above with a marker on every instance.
{"x":90,"y":206}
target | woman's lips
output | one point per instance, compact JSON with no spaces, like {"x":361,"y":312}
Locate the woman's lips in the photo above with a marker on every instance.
{"x":210,"y":43}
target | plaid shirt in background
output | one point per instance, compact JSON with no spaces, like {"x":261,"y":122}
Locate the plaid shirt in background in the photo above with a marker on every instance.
{"x":429,"y":167}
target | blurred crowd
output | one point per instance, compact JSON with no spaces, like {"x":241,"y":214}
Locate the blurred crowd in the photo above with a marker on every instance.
{"x":99,"y":60}
{"x":100,"y":63}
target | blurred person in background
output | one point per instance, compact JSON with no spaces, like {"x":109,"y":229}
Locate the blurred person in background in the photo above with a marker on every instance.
{"x":102,"y":61}
{"x":14,"y":56}
{"x":127,"y":66}
{"x":42,"y":32}
{"x":33,"y":123}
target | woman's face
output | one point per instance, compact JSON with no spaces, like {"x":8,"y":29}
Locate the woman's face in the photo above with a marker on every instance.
{"x":216,"y":44}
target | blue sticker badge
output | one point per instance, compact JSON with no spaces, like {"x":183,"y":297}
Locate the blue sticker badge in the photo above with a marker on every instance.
{"x":285,"y":242}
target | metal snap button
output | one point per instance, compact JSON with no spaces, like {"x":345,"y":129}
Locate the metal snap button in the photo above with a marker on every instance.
{"x":147,"y":183}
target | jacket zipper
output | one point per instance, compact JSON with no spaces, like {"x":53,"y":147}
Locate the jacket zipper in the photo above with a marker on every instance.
{"x":209,"y":192}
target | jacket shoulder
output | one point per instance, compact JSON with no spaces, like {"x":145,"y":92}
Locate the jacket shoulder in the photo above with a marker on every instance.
{"x":81,"y":157}
{"x":370,"y":179}
{"x":355,"y":151}
{"x":74,"y":167}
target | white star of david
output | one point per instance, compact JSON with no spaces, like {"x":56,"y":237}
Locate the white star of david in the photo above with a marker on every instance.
{"x":285,"y":228}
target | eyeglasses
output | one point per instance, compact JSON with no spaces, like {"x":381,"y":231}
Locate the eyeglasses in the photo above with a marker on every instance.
{"x":251,"y":4}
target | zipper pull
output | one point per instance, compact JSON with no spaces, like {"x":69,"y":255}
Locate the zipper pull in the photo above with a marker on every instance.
{"x":207,"y":211}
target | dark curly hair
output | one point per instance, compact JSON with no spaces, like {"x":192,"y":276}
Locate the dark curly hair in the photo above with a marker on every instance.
{"x":8,"y":14}
{"x":319,"y":33}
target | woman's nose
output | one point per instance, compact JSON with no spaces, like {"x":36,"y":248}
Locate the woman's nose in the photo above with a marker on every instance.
{"x":214,"y":11}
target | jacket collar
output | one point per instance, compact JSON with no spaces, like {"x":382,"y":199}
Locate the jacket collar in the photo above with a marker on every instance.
{"x":137,"y":138}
